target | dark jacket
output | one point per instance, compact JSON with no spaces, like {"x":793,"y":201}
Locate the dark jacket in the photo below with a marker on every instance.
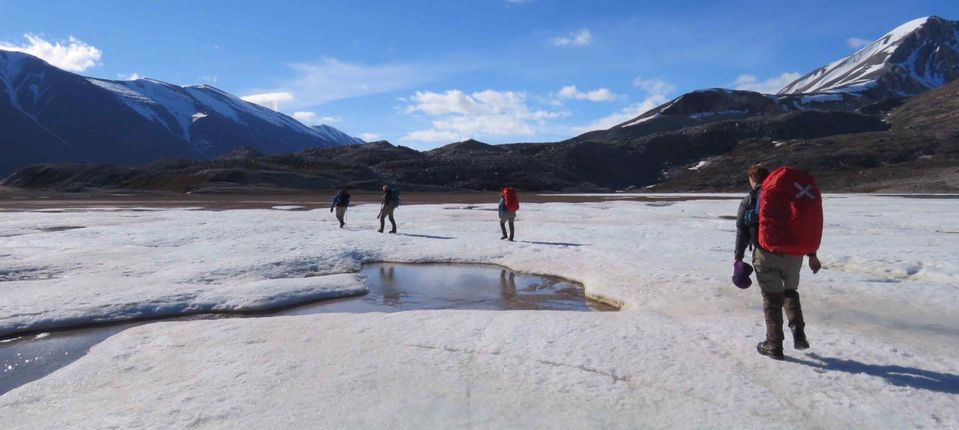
{"x":342,"y":198}
{"x":746,"y":233}
{"x":389,"y":198}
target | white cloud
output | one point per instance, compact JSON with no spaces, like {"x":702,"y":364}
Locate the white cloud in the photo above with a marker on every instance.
{"x":371,"y":137}
{"x":308,"y":118}
{"x":131,"y":77}
{"x":653,"y":85}
{"x":72,"y":55}
{"x":600,"y":95}
{"x":857,"y":42}
{"x":311,"y":118}
{"x":331,"y":79}
{"x":209,"y":78}
{"x":270,"y":100}
{"x":657,"y":92}
{"x":460,"y":116}
{"x":579,"y":38}
{"x":768,"y":86}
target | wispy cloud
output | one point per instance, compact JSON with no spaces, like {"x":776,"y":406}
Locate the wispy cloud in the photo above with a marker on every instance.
{"x":768,"y":86}
{"x":331,"y":79}
{"x":312,"y":118}
{"x":270,"y":100}
{"x":72,"y":54}
{"x":370,"y":137}
{"x":131,"y":77}
{"x":857,"y":42}
{"x":656,"y":93}
{"x":308,"y":118}
{"x":653,"y":85}
{"x":459,"y":116}
{"x":600,"y":95}
{"x":579,"y":38}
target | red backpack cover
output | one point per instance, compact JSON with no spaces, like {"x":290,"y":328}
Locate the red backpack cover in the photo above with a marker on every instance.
{"x":790,"y":213}
{"x":511,"y":198}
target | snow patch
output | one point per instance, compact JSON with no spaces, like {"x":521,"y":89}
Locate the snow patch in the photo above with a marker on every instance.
{"x":642,"y":120}
{"x":821,"y":98}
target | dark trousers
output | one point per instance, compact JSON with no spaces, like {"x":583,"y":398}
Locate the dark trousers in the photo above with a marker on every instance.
{"x":512,"y":229}
{"x":773,"y":305}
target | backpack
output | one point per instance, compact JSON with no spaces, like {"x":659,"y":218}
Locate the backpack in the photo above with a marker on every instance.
{"x":511,"y":198}
{"x":790,"y":213}
{"x":751,"y":217}
{"x":395,"y":196}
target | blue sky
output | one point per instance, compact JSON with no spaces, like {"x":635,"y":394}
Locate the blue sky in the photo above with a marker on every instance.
{"x":426,"y":73}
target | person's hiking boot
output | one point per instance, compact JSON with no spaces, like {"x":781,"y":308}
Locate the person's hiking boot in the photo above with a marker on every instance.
{"x":503,"y":238}
{"x":392,"y":231}
{"x":769,"y":350}
{"x":380,"y":230}
{"x":799,"y":339}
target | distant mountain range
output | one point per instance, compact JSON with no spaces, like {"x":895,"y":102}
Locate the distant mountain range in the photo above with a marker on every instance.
{"x":51,"y":115}
{"x":885,"y":118}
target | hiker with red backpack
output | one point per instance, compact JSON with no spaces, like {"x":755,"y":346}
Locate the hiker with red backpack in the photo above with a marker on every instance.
{"x":508,"y":205}
{"x":781,"y":219}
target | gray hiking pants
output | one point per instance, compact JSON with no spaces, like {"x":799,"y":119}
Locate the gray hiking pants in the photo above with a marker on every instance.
{"x":778,"y":277}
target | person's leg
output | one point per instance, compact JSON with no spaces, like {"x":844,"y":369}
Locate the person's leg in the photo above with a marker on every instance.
{"x":773,"y":313}
{"x":382,"y":221}
{"x":770,"y":279}
{"x":792,"y":265}
{"x":392,"y":220}
{"x":797,"y":325}
{"x":512,"y":230}
{"x":502,"y":226}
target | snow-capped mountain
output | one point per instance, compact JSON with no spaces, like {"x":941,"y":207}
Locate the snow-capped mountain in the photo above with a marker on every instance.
{"x":50,"y":115}
{"x":336,"y":135}
{"x":917,"y":56}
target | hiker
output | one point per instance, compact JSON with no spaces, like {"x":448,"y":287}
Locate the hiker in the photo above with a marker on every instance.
{"x":391,"y":199}
{"x":341,"y":201}
{"x":781,"y":226}
{"x":508,"y":205}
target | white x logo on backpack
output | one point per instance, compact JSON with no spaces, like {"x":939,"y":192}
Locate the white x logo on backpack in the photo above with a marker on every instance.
{"x":804,"y":191}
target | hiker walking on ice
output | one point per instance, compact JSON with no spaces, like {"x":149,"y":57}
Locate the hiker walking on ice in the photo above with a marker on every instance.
{"x":781,"y":220}
{"x":391,"y":199}
{"x":508,"y":205}
{"x":341,"y":201}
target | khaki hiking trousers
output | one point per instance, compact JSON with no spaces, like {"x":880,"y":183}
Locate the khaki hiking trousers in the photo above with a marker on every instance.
{"x":776,"y":272}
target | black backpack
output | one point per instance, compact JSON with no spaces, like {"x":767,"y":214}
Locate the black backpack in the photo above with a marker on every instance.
{"x":395,"y":196}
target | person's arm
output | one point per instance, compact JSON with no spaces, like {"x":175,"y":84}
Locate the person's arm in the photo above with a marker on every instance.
{"x":814,"y":263}
{"x":743,"y":235}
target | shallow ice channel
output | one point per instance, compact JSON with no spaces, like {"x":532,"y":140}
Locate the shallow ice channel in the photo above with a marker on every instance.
{"x":392,"y":288}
